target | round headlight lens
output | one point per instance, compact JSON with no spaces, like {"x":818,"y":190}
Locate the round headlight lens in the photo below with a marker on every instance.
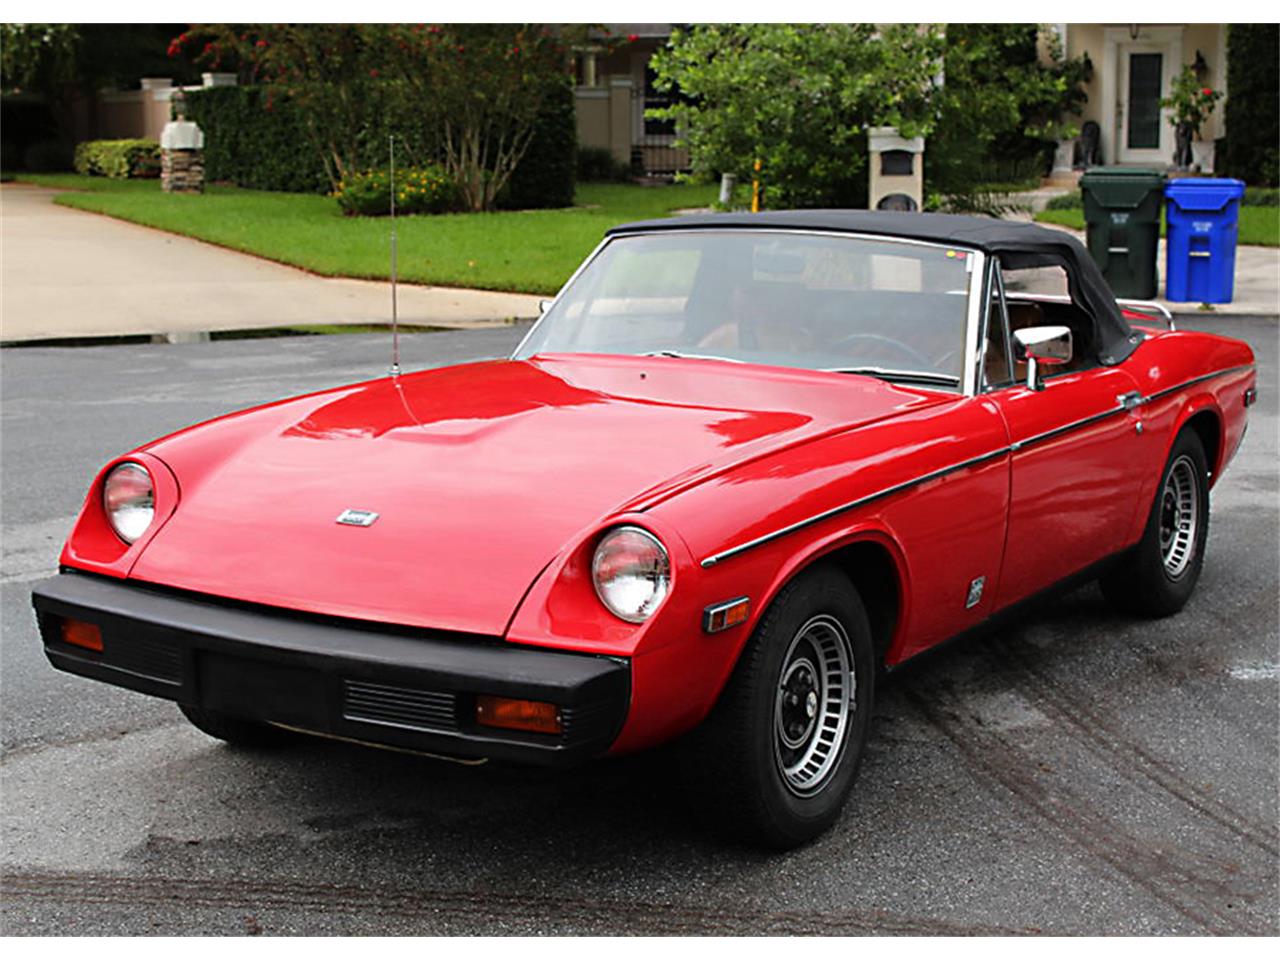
{"x":631,"y":572}
{"x":129,"y":498}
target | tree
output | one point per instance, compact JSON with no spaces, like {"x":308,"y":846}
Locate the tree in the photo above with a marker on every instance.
{"x":1252,"y":110}
{"x":38,"y":56}
{"x":61,"y":59}
{"x":1001,"y":106}
{"x":330,"y":73}
{"x":466,"y":94}
{"x":485,"y":85}
{"x":796,"y":98}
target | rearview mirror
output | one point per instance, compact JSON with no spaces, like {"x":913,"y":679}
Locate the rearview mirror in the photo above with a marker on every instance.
{"x":1041,"y":346}
{"x":543,"y":306}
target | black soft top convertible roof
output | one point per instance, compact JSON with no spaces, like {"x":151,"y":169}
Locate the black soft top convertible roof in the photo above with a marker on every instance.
{"x":1017,"y":244}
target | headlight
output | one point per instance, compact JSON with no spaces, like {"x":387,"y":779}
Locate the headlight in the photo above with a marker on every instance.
{"x":129,"y":497}
{"x":631,"y":573}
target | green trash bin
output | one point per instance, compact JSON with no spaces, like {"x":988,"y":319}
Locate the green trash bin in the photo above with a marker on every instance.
{"x":1122,"y":216}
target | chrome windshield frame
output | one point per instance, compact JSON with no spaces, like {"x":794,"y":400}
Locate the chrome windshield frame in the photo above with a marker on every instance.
{"x":977,"y":292}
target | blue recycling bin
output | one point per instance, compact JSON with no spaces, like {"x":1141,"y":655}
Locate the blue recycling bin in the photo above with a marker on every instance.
{"x":1203,"y":217}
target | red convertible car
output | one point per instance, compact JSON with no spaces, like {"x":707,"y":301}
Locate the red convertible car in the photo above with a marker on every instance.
{"x":741,"y":466}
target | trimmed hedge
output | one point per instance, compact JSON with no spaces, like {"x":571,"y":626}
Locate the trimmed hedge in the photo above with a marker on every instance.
{"x":598,"y":165}
{"x":118,"y":159}
{"x":1252,"y":112}
{"x":261,"y":143}
{"x":254,"y":143}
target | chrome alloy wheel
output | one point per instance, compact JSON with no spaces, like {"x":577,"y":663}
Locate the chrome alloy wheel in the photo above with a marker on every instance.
{"x":1179,"y":517}
{"x":817,"y":693}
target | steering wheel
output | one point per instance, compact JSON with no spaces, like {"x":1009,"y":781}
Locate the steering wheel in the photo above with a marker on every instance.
{"x":918,"y":360}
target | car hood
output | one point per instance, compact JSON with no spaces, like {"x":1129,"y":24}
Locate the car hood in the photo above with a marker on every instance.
{"x":480,"y":475}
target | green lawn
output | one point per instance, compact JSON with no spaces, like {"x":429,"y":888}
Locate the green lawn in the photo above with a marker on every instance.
{"x":1258,"y":225}
{"x":533,"y":251}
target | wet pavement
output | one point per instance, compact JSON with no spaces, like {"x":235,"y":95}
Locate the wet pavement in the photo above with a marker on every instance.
{"x":1074,"y":772}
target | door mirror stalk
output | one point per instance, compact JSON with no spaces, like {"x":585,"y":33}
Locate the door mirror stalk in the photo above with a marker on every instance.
{"x":1041,"y":346}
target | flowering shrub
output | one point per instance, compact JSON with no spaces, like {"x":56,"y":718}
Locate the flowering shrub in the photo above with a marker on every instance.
{"x":418,"y":190}
{"x":1190,"y":102}
{"x":118,"y":159}
{"x":477,"y":91}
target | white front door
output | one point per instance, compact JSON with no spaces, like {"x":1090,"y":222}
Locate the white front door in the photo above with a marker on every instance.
{"x":1145,"y":76}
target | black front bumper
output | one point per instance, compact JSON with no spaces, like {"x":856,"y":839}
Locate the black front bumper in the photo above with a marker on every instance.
{"x":410,"y":689}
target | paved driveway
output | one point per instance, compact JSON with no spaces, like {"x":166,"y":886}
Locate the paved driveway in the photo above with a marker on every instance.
{"x":68,"y":273}
{"x":1076,"y":772}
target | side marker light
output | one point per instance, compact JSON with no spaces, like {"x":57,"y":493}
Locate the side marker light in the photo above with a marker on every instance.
{"x":722,"y":616}
{"x":81,"y":634}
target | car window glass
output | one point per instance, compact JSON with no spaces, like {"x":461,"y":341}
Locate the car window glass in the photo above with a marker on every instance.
{"x":822,"y":302}
{"x":1042,"y":281}
{"x":996,"y":368}
{"x":1041,"y":297}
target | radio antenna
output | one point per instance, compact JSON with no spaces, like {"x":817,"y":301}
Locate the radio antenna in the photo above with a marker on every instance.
{"x":395,"y":320}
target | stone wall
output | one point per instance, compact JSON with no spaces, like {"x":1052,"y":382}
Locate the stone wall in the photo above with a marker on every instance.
{"x":182,"y":171}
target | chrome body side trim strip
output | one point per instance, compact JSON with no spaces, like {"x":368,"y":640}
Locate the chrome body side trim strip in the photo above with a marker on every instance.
{"x":1120,"y":407}
{"x":1124,"y":403}
{"x":851,"y":505}
{"x":1192,"y":382}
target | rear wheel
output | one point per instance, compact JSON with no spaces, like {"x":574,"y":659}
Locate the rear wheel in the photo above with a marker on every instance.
{"x":234,"y":730}
{"x":1158,"y":576}
{"x":780,"y":752}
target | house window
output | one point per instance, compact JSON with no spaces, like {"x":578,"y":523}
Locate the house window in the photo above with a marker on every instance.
{"x":656,"y":100}
{"x":1145,"y":70}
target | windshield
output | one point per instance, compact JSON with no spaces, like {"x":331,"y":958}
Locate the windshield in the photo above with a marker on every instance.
{"x":787,"y":299}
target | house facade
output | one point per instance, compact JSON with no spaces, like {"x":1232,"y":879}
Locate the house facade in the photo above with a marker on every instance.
{"x":1133,"y":69}
{"x":613,"y":89}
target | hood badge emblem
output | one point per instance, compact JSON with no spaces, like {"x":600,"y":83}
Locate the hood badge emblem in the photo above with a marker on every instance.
{"x":357,"y":518}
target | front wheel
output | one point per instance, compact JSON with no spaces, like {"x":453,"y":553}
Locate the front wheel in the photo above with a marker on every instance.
{"x":1158,"y":576}
{"x":780,"y":752}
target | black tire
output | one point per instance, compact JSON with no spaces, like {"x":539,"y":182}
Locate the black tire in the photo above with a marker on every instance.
{"x":234,"y":730}
{"x":740,"y":753}
{"x":1156,"y":578}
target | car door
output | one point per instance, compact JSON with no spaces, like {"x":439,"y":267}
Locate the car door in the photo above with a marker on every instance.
{"x":1074,"y":474}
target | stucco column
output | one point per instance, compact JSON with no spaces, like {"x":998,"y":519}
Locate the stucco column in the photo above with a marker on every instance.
{"x":620,"y":119}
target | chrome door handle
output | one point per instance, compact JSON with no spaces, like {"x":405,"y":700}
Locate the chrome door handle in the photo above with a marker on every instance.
{"x":1131,"y":400}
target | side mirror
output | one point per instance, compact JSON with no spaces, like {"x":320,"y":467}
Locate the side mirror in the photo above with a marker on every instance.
{"x":1041,"y":346}
{"x":544,"y":306}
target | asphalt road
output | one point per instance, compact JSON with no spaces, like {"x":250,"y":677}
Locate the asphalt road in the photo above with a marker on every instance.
{"x":1076,"y":772}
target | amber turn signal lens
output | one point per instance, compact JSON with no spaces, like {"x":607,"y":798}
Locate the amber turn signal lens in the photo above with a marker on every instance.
{"x":82,"y":634}
{"x":722,"y":616}
{"x":518,"y":714}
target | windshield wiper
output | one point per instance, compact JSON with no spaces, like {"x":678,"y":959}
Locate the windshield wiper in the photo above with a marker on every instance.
{"x":689,"y":356}
{"x":901,"y":376}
